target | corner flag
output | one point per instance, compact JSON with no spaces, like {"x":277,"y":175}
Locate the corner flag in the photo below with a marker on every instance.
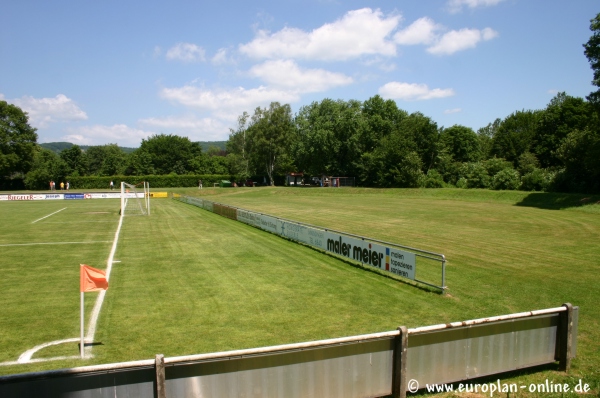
{"x":92,"y":279}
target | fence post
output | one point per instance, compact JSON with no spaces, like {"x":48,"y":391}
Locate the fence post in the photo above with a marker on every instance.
{"x":566,"y":336}
{"x":159,"y":363}
{"x":399,"y":365}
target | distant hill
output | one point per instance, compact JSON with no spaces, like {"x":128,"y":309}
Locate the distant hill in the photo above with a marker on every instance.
{"x":61,"y":146}
{"x":207,"y":144}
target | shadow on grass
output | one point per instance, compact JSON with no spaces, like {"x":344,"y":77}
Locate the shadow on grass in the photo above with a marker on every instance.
{"x":558,"y":201}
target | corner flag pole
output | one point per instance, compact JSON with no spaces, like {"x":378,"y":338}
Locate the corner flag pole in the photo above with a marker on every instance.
{"x":81,"y":344}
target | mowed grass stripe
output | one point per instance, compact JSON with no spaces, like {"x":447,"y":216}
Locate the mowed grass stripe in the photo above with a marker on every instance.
{"x":39,"y":288}
{"x":210,"y":284}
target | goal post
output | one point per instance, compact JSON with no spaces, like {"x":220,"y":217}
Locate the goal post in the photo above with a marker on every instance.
{"x":135,"y":199}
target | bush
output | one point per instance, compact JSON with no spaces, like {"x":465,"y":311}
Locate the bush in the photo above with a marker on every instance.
{"x":495,"y":165}
{"x":433,"y":179}
{"x":507,"y":179}
{"x":538,"y":180}
{"x":476,"y":175}
{"x":462,"y":183}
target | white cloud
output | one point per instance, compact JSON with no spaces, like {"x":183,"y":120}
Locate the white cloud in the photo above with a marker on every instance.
{"x":458,"y":40}
{"x":412,"y":91}
{"x":100,"y":135}
{"x":451,"y":111}
{"x":227,"y":103}
{"x":287,"y":74}
{"x":186,"y":52}
{"x":357,"y":33}
{"x":197,"y":129}
{"x":455,"y":6}
{"x":422,"y":31}
{"x":222,"y":57}
{"x":43,"y":111}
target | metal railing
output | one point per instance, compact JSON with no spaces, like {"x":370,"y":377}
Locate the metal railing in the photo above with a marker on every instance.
{"x":370,"y":365}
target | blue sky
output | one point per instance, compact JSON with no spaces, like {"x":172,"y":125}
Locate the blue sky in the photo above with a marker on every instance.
{"x":99,"y":72}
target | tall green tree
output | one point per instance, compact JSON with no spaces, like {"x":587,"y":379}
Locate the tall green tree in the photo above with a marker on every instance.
{"x":461,"y":142}
{"x":239,"y":148}
{"x":515,"y":135}
{"x":171,"y":153}
{"x":47,"y":166}
{"x":563,"y":115}
{"x":271,"y":134}
{"x":327,"y":137}
{"x":106,"y":160}
{"x":592,"y":52}
{"x":17,"y":141}
{"x":76,"y":160}
{"x":423,"y":137}
{"x":486,"y":137}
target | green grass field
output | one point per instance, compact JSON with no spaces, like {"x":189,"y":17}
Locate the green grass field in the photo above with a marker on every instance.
{"x":190,"y":281}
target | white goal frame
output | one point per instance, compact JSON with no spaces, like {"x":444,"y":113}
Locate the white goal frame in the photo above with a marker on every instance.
{"x":140,"y":196}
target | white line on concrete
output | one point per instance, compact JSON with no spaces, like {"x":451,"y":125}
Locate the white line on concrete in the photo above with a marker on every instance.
{"x":56,"y":243}
{"x":39,"y":219}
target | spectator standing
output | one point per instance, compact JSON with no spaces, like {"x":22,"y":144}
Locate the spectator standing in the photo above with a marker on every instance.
{"x":112,"y":186}
{"x":62,"y":186}
{"x":68,"y":185}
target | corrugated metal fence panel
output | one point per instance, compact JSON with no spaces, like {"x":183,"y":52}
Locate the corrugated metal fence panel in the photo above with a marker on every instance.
{"x":450,"y":355}
{"x":126,"y":383}
{"x":351,"y":370}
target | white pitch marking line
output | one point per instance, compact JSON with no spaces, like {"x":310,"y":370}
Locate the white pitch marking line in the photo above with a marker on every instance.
{"x":26,"y":356}
{"x":56,"y":243}
{"x":98,"y":305}
{"x":39,"y":219}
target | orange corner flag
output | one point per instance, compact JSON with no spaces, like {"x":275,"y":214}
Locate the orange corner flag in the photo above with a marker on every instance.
{"x":92,"y":279}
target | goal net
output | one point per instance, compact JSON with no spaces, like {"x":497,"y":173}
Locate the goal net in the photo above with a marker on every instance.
{"x":135,"y":199}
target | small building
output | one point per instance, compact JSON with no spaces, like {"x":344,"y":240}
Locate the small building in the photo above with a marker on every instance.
{"x":294,"y":179}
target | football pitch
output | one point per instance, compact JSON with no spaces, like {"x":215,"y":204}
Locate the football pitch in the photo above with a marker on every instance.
{"x":187,"y":281}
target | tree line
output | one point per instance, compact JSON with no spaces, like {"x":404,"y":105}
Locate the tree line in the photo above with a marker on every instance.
{"x":556,"y":148}
{"x":552,"y":149}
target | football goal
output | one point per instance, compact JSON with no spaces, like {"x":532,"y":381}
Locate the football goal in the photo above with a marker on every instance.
{"x":135,"y":199}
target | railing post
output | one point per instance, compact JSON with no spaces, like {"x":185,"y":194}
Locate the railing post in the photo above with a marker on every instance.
{"x":399,"y":365}
{"x":566,"y":336}
{"x":159,"y":364}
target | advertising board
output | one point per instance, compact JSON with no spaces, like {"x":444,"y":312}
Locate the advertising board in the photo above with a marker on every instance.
{"x":71,"y":196}
{"x":362,"y":250}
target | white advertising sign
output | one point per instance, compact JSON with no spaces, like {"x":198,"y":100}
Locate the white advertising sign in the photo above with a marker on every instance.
{"x":107,"y":195}
{"x":248,"y":217}
{"x":401,"y":263}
